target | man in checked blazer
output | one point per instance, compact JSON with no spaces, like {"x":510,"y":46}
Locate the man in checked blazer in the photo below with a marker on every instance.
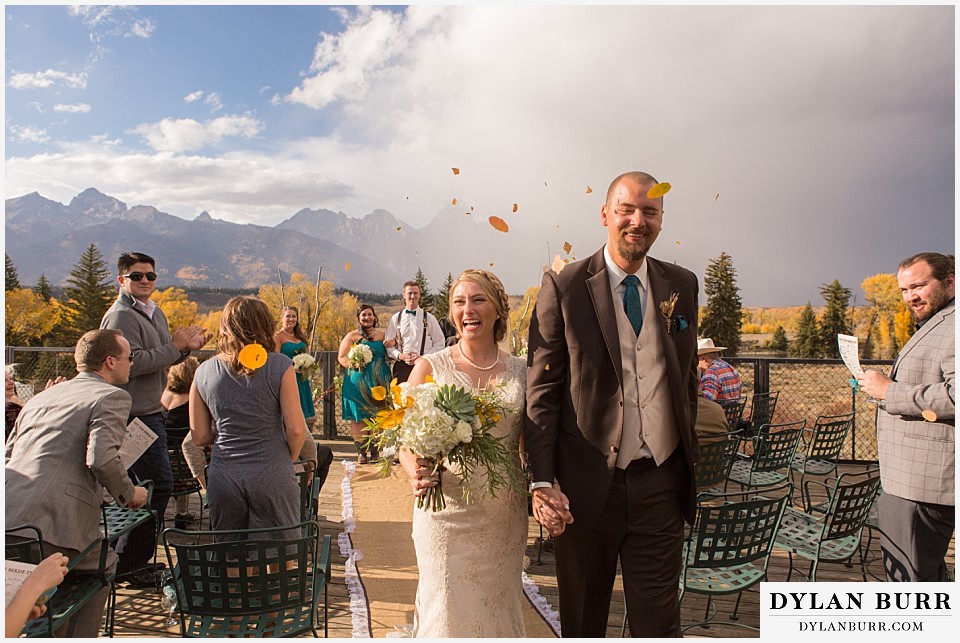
{"x":64,"y":446}
{"x":915,"y":426}
{"x":611,"y":406}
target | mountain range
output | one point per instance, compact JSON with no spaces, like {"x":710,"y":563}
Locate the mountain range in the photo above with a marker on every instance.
{"x":45,"y":236}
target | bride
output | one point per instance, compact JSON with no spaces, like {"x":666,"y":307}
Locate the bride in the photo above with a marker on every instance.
{"x":470,"y":556}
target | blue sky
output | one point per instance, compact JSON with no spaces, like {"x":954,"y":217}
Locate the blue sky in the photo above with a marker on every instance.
{"x":810,"y":143}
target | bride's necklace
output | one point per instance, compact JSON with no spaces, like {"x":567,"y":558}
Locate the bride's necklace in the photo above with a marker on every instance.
{"x":479,"y":368}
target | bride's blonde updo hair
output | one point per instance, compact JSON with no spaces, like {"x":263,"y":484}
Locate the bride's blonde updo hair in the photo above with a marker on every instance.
{"x":493,"y":287}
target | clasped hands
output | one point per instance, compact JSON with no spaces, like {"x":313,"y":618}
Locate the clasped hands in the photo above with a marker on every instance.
{"x":551,"y":508}
{"x":424,"y":477}
{"x":190,"y":338}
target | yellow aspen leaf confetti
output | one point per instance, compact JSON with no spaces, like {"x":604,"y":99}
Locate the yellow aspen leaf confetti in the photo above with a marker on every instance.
{"x":678,"y":243}
{"x":567,"y":247}
{"x":929,"y":415}
{"x":558,"y":264}
{"x":544,"y":184}
{"x":456,"y":170}
{"x":547,"y":367}
{"x":589,"y":189}
{"x":717,"y":196}
{"x":499,"y":224}
{"x":491,"y":264}
{"x":346,"y":267}
{"x":515,"y":207}
{"x":471,"y":208}
{"x":658,"y":190}
{"x":454,"y":202}
{"x":252,"y":356}
{"x":407,"y":198}
{"x":398,"y":228}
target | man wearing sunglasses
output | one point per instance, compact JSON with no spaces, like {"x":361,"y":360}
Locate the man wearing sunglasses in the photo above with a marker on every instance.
{"x":154,"y":349}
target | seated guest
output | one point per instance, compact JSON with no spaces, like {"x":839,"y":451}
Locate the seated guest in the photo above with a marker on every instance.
{"x":711,"y":423}
{"x":176,"y":401}
{"x":718,"y":382}
{"x":250,"y":410}
{"x":23,"y":606}
{"x":64,"y":446}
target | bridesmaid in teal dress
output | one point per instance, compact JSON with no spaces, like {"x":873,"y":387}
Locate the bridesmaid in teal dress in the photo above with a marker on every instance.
{"x":291,"y":340}
{"x":356,"y":383}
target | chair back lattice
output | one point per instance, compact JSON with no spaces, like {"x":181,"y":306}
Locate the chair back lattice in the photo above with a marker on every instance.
{"x":184,"y":481}
{"x":762,"y":408}
{"x":829,"y":434}
{"x":305,"y":471}
{"x":851,"y":504}
{"x":735,"y":533}
{"x":715,"y":461}
{"x":775,"y":445}
{"x":234,"y":587}
{"x":733,"y":410}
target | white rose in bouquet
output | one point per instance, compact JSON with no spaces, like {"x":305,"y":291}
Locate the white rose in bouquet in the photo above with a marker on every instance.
{"x":359,"y":355}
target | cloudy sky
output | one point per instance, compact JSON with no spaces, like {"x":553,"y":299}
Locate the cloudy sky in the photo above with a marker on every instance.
{"x":810,"y":143}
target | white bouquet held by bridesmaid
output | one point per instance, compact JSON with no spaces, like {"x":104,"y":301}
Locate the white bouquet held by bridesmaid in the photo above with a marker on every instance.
{"x":444,"y":422}
{"x":303,"y":363}
{"x":359,"y":355}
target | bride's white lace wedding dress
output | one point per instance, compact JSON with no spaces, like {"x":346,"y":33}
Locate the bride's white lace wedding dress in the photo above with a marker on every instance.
{"x":470,"y":556}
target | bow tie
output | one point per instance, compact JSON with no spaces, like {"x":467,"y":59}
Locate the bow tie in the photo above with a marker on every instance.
{"x":409,"y":312}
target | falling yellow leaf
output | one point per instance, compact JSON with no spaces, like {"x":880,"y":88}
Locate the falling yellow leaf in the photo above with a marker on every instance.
{"x":499,"y":224}
{"x":547,"y":367}
{"x":491,"y":264}
{"x":407,"y":198}
{"x":658,"y":190}
{"x":346,"y":267}
{"x":515,"y":206}
{"x":471,"y":208}
{"x":717,"y":196}
{"x":456,"y":170}
{"x":567,"y":247}
{"x":544,"y":184}
{"x":589,"y":189}
{"x":929,"y":415}
{"x":557,"y":264}
{"x":558,"y":226}
{"x":398,"y":228}
{"x":454,"y":202}
{"x":252,"y":356}
{"x":678,"y":243}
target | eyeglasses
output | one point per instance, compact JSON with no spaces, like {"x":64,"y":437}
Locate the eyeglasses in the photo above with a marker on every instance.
{"x":137,"y":276}
{"x":128,"y":357}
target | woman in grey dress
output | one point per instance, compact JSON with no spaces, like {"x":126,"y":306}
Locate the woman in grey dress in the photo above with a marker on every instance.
{"x":252,"y":418}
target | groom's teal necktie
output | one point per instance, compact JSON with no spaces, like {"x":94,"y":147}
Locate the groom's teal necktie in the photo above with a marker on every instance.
{"x":631,"y":302}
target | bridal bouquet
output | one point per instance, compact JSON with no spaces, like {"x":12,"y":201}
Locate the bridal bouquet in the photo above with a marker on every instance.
{"x":444,"y":422}
{"x":303,"y":363}
{"x":359,"y":355}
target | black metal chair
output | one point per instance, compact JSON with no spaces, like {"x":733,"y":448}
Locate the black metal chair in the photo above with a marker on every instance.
{"x":184,"y":482}
{"x":733,"y":409}
{"x":728,"y":549}
{"x":309,"y":488}
{"x":25,"y":544}
{"x":762,"y":409}
{"x":249,"y":588}
{"x":832,"y":534}
{"x":716,"y":458}
{"x":821,"y":447}
{"x":773,"y":448}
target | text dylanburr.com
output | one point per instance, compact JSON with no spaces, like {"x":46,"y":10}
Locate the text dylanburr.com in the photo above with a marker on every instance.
{"x":862,"y":610}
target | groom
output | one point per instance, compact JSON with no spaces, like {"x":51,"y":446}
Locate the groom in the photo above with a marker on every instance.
{"x":611,"y":405}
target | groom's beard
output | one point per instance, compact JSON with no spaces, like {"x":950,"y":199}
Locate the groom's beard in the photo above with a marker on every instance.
{"x":635,"y":250}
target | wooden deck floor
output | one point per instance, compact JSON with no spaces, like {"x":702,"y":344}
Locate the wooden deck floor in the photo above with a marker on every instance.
{"x":139,"y":613}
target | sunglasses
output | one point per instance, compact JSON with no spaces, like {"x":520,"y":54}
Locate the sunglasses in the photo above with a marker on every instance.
{"x":129,"y":357}
{"x":137,"y":276}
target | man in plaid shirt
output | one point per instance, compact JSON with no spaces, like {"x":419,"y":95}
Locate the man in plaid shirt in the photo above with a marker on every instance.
{"x":719,"y":382}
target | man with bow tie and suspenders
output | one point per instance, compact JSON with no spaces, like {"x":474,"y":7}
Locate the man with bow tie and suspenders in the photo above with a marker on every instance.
{"x":417,"y":333}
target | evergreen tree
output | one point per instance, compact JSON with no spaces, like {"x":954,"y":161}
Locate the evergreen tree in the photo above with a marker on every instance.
{"x":836,"y":318}
{"x":807,"y":341}
{"x":11,"y":280}
{"x":442,"y":302}
{"x":89,"y":293}
{"x":43,"y":287}
{"x":722,"y":315}
{"x":426,"y":298}
{"x":779,"y":341}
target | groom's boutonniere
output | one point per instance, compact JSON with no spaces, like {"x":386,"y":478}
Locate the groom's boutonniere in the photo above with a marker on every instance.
{"x":666,"y":309}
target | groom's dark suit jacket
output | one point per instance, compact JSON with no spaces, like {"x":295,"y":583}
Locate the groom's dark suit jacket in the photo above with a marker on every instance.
{"x":574,"y":380}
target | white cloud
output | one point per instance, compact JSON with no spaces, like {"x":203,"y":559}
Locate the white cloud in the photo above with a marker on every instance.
{"x":44,"y":79}
{"x":187,"y":134}
{"x":74,"y":108}
{"x":28,"y":134}
{"x":113,"y":20}
{"x":213,"y":101}
{"x":142,"y":28}
{"x":193,"y":96}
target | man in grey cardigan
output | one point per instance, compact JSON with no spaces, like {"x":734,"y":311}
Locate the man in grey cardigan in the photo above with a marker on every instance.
{"x":154,"y":350}
{"x":915,"y":426}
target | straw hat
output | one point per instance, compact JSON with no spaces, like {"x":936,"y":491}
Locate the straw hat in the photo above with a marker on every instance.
{"x":705,"y":346}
